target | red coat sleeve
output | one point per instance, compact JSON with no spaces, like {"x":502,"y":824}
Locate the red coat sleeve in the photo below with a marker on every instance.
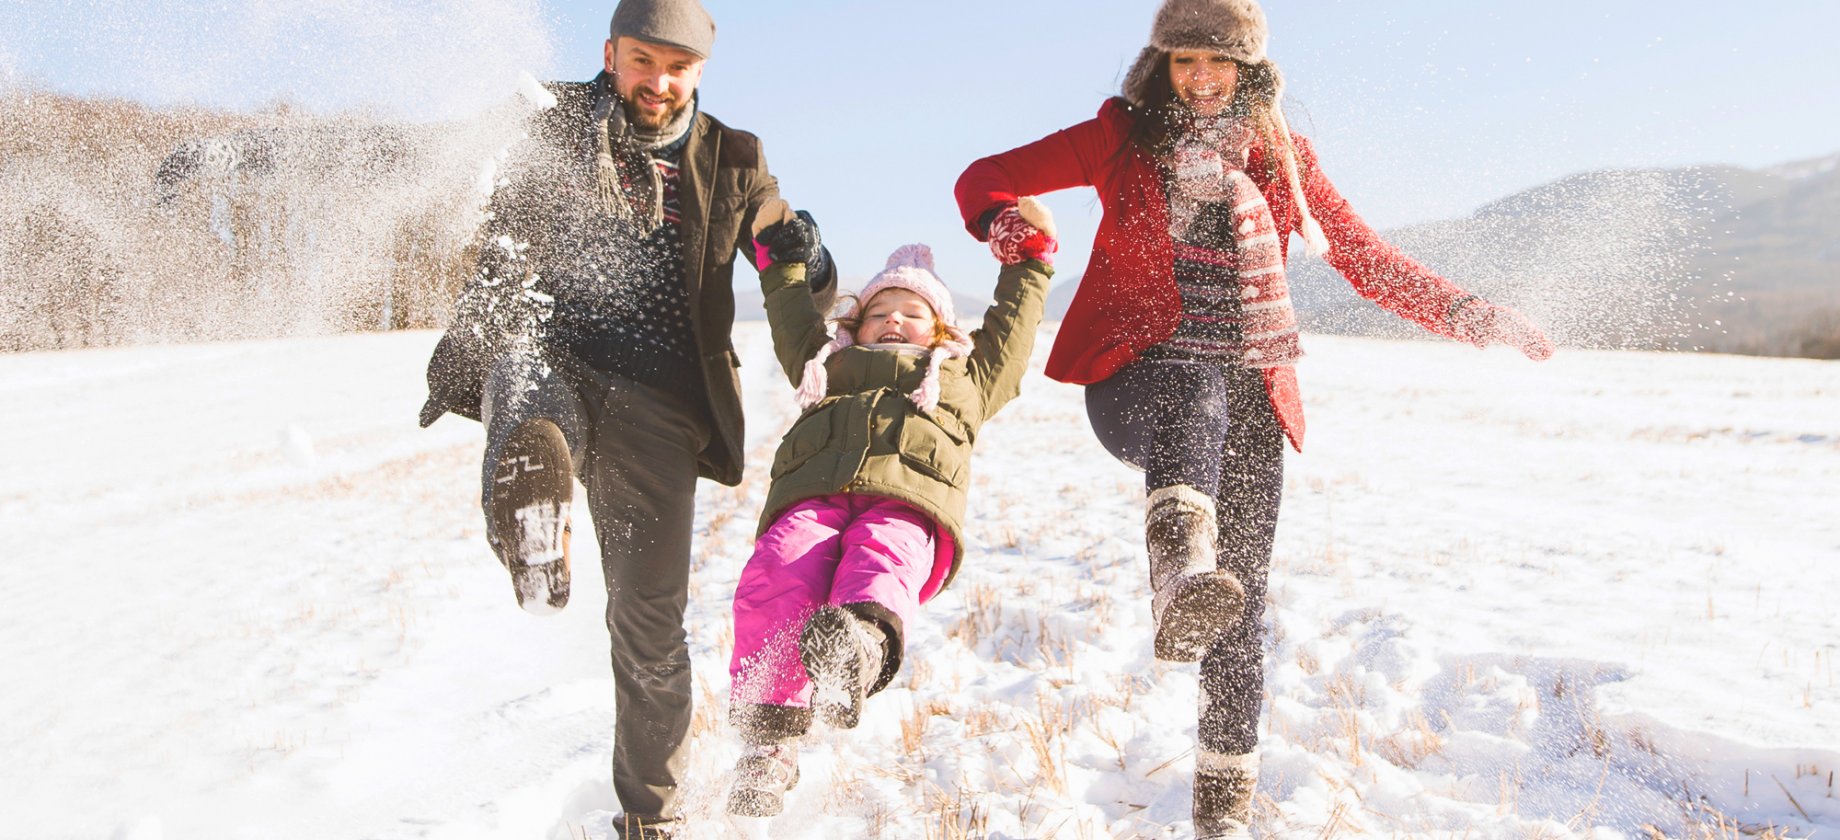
{"x":1068,"y":158}
{"x":1375,"y":268}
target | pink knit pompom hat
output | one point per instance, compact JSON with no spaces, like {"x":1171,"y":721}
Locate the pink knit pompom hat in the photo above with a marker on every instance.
{"x":910,"y":267}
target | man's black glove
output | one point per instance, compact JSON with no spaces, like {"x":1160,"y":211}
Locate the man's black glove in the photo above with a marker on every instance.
{"x":793,"y":239}
{"x":781,"y":235}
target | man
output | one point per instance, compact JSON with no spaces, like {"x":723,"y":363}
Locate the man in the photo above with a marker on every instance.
{"x":594,"y":342}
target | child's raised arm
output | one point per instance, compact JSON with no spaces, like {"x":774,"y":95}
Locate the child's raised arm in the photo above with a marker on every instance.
{"x":785,"y":244}
{"x":1022,"y":238}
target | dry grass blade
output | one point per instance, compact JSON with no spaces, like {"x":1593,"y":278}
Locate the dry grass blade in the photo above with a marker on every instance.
{"x":1798,"y":805}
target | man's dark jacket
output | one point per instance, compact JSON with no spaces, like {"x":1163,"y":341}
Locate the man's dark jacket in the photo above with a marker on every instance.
{"x":723,"y":180}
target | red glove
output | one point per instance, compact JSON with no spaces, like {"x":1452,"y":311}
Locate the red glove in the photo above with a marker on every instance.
{"x":1482,"y":323}
{"x":1023,"y":232}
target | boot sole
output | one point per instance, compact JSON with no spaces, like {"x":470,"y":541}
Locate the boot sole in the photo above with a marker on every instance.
{"x":543,"y":588}
{"x":531,"y":495}
{"x":1199,"y":613}
{"x":824,"y":648}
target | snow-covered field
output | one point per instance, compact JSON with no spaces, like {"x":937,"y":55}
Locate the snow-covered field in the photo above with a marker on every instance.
{"x":245,"y":597}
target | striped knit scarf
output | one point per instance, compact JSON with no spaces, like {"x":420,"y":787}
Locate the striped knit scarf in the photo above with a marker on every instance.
{"x":629,"y":186}
{"x":1207,"y":174}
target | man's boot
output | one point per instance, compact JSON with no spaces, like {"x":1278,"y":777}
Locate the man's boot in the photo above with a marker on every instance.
{"x":843,"y":656}
{"x":528,"y":524}
{"x":763,"y":774}
{"x":631,"y":827}
{"x":1192,"y":601}
{"x":1224,"y":785}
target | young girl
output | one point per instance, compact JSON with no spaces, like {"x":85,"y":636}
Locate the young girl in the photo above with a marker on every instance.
{"x":1182,"y":330}
{"x":863,"y":518}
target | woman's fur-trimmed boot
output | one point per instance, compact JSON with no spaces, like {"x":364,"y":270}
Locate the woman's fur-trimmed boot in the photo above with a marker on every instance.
{"x":1224,"y":785}
{"x":1192,"y":601}
{"x":528,"y":522}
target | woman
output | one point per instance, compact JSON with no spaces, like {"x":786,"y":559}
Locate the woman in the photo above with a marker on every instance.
{"x":1183,"y":332}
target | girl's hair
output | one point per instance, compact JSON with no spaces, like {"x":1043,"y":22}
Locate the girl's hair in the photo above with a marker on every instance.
{"x":1162,"y":116}
{"x":854,"y":309}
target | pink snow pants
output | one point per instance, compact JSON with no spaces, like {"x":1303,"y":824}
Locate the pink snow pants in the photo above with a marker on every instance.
{"x":833,"y":550}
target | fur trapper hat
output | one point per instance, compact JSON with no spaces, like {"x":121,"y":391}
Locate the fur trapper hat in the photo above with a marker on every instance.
{"x":910,"y":267}
{"x":1234,"y":27}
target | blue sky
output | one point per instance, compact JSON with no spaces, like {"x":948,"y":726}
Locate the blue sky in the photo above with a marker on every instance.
{"x":869,"y":111}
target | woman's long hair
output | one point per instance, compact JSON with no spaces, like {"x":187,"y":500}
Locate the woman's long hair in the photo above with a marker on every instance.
{"x":1162,"y":117}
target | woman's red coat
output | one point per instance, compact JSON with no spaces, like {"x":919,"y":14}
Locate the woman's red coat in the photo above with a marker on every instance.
{"x":1127,"y":299}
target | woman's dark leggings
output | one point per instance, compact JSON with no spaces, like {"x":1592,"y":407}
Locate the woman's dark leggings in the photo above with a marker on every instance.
{"x":1209,"y":426}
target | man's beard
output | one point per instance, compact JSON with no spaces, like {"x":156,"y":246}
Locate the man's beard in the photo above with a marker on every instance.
{"x":647,"y":120}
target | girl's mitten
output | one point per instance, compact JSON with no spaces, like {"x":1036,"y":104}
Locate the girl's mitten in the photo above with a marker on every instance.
{"x":1023,"y":232}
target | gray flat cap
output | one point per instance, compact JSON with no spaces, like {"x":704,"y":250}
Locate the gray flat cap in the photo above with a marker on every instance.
{"x":674,"y":23}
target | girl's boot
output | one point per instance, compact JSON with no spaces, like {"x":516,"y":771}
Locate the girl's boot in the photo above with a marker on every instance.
{"x":1224,"y":785}
{"x":843,"y":656}
{"x":763,"y":774}
{"x":1192,"y":601}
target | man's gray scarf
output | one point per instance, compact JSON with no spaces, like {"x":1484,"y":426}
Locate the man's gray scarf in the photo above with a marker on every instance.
{"x":630,"y":188}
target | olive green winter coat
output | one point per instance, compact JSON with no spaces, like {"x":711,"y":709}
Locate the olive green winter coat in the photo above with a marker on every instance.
{"x":866,"y":436}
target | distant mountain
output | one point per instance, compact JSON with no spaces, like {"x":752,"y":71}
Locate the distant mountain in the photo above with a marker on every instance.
{"x":1715,"y":258}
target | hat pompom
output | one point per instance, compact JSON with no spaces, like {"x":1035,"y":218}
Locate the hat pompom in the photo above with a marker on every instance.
{"x":910,"y":267}
{"x":916,"y":255}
